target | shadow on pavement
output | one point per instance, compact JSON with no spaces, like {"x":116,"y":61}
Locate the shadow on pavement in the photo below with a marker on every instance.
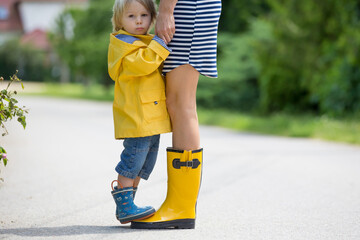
{"x":66,"y":230}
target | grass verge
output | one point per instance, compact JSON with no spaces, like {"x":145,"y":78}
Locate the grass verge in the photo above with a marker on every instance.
{"x":78,"y":91}
{"x":346,"y":129}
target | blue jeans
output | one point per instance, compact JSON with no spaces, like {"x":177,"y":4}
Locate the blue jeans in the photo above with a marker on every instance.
{"x":138,"y":157}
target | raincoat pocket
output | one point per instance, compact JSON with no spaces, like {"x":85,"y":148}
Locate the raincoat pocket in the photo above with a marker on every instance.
{"x":154,"y":105}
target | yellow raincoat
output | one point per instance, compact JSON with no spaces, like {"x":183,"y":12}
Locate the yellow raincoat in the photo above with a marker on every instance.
{"x":139,"y":106}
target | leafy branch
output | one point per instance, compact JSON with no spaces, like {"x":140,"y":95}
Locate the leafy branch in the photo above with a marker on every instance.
{"x":10,"y":110}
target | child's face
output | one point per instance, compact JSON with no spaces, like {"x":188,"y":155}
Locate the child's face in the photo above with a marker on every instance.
{"x":136,"y":18}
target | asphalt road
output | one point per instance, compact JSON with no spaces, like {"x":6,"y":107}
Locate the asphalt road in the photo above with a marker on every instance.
{"x":57,"y":182}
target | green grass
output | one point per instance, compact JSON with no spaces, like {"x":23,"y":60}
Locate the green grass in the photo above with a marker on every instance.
{"x":78,"y":91}
{"x":346,"y":129}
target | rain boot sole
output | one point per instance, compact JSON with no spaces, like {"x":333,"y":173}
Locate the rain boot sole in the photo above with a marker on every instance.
{"x":174,"y":224}
{"x":136,"y":218}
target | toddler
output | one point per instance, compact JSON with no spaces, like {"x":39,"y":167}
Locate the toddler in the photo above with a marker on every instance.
{"x":139,"y":107}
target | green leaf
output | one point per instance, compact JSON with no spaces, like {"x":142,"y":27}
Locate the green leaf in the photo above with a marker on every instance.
{"x":5,"y":161}
{"x":22,"y":121}
{"x":22,"y":85}
{"x":19,"y":113}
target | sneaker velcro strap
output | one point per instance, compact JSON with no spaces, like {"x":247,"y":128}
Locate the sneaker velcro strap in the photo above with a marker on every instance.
{"x":192,"y":164}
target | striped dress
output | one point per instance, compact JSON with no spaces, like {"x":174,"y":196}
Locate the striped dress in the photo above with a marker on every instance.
{"x":195,"y":38}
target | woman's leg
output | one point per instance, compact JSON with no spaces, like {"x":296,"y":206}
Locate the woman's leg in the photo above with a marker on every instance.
{"x":179,"y":208}
{"x":181,"y":86}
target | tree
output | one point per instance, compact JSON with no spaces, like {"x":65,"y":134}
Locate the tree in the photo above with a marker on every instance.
{"x":312,"y":61}
{"x":237,"y":14}
{"x":81,"y":40}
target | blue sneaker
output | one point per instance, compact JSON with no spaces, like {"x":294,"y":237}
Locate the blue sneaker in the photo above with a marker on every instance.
{"x":126,"y":210}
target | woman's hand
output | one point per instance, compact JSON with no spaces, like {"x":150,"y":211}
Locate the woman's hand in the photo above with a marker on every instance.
{"x":165,"y":27}
{"x":165,"y":23}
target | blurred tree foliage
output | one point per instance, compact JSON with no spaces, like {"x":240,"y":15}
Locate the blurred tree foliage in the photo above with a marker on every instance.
{"x":287,"y":56}
{"x":31,"y":63}
{"x":313,"y":59}
{"x":237,"y":87}
{"x":237,"y":14}
{"x":81,"y":40}
{"x":274,"y":55}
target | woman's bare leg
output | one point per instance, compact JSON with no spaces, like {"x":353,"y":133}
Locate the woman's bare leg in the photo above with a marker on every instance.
{"x":181,"y":86}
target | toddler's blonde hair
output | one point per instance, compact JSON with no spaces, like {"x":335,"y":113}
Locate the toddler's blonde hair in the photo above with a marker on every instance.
{"x":119,"y":7}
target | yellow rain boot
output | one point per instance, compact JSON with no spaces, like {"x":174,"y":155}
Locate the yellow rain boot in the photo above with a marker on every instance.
{"x":179,"y":208}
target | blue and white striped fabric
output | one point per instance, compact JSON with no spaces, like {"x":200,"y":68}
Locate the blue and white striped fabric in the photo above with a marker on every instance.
{"x":195,"y":38}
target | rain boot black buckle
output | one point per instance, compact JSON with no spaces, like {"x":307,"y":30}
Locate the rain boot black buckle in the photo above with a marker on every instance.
{"x":178,"y":164}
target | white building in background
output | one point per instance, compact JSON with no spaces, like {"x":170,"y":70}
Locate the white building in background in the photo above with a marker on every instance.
{"x":31,"y":20}
{"x":42,"y":14}
{"x":22,"y":17}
